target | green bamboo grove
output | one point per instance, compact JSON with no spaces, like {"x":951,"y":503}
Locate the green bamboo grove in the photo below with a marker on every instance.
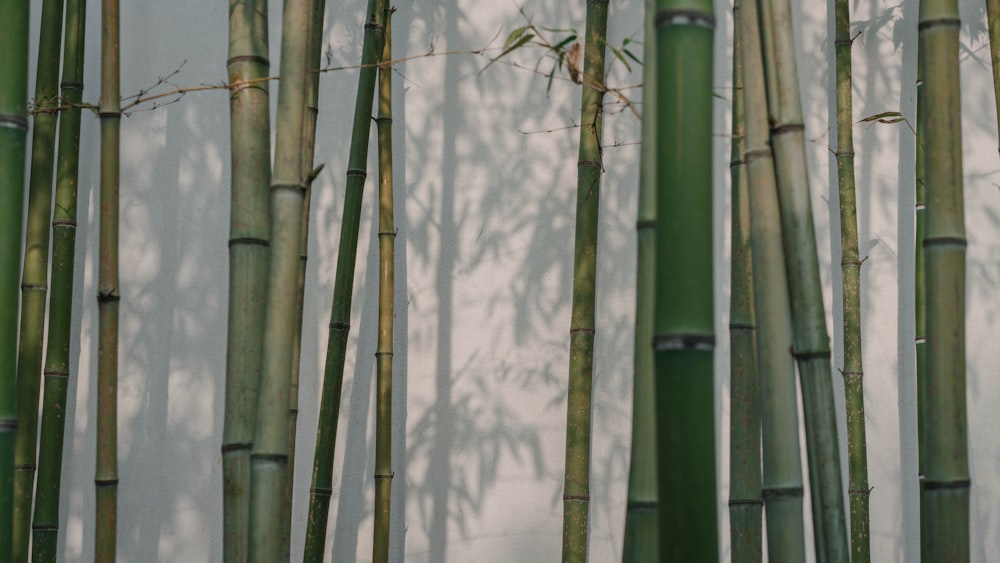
{"x":684,"y":337}
{"x":45,"y":521}
{"x":34,"y":277}
{"x":946,"y":484}
{"x":850,"y":263}
{"x":576,"y":487}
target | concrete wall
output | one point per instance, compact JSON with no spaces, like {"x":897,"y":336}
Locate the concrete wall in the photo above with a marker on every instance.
{"x":485,"y":183}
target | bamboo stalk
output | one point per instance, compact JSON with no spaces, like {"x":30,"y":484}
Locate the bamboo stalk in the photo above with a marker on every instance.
{"x":386,"y":238}
{"x":106,"y":475}
{"x":13,"y":137}
{"x":993,"y":23}
{"x":945,"y":534}
{"x":642,"y":512}
{"x":850,"y":263}
{"x":576,"y":489}
{"x":340,"y":315}
{"x":34,"y":277}
{"x":684,"y":337}
{"x":269,"y":453}
{"x":45,"y":525}
{"x":248,"y":256}
{"x":811,"y":343}
{"x":745,"y":501}
{"x":782,"y":473}
{"x":919,"y":285}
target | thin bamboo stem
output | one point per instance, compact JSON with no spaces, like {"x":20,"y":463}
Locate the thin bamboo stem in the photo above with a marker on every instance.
{"x":106,"y":475}
{"x":248,"y":256}
{"x":13,"y":141}
{"x":684,"y":337}
{"x":576,"y":489}
{"x":642,"y":512}
{"x":919,"y":285}
{"x":269,"y":453}
{"x":386,"y":238}
{"x":782,"y":473}
{"x":34,"y":277}
{"x":45,"y":525}
{"x":340,"y":315}
{"x":745,"y":501}
{"x":811,"y":346}
{"x":945,"y":534}
{"x":993,"y":23}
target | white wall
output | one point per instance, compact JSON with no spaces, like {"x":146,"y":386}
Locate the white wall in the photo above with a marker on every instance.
{"x":486,"y":175}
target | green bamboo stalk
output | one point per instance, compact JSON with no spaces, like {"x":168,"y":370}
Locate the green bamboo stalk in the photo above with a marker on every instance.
{"x":269,"y":452}
{"x":811,"y":341}
{"x":642,"y":512}
{"x":745,"y":501}
{"x":782,"y":471}
{"x":34,"y":277}
{"x":919,"y":285}
{"x":386,"y":249}
{"x":45,"y":525}
{"x":993,"y":23}
{"x":850,"y":263}
{"x":248,"y":256}
{"x":314,"y":54}
{"x":576,"y":489}
{"x":106,"y":475}
{"x":945,"y":534}
{"x":684,"y":337}
{"x":13,"y":137}
{"x":340,"y":315}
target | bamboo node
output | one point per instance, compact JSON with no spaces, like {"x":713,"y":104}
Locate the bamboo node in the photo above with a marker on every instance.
{"x":746,"y":502}
{"x":34,"y":287}
{"x":62,"y":374}
{"x":45,"y":527}
{"x":383,"y":354}
{"x":787,"y":128}
{"x":248,"y":240}
{"x":300,"y":188}
{"x":582,"y":330}
{"x":110,"y":296}
{"x":25,"y":467}
{"x":70,"y":223}
{"x":576,"y":498}
{"x":645,"y":224}
{"x":753,"y":155}
{"x":321,"y":491}
{"x":866,"y":492}
{"x":356,"y":172}
{"x":945,"y":241}
{"x":106,"y":482}
{"x":14,"y":122}
{"x":8,"y":425}
{"x":109,"y":114}
{"x":811,"y":354}
{"x":249,"y":59}
{"x":589,"y":163}
{"x":736,"y":162}
{"x":685,"y":17}
{"x":700,"y":342}
{"x":939,"y":22}
{"x":385,"y":476}
{"x":71,"y":85}
{"x":747,"y":326}
{"x":340,"y":326}
{"x":777,"y":492}
{"x":958,"y":484}
{"x":839,"y":154}
{"x":237,"y":446}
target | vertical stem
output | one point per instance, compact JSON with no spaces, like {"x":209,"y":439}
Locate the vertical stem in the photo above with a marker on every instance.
{"x":945,"y":534}
{"x":642,"y":512}
{"x":45,"y":526}
{"x":106,"y":477}
{"x":13,"y":137}
{"x":340,"y":315}
{"x":248,"y":256}
{"x":993,"y":22}
{"x":684,"y":334}
{"x":745,"y":502}
{"x":919,"y":284}
{"x":576,"y":490}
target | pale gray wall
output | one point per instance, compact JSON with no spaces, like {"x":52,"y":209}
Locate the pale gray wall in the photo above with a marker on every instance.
{"x":485,"y":244}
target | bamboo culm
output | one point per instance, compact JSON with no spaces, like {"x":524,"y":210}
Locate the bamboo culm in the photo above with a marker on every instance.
{"x":993,"y":23}
{"x":684,"y":337}
{"x":642,"y":511}
{"x":106,"y":477}
{"x":745,"y":502}
{"x":13,"y":141}
{"x":850,"y":263}
{"x":946,"y":485}
{"x":45,"y":523}
{"x":576,"y":488}
{"x":269,"y":453}
{"x":340,"y":315}
{"x":34,"y":277}
{"x":248,"y":257}
{"x":811,"y":346}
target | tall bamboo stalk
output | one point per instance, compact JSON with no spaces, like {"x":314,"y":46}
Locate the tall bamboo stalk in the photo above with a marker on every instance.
{"x":250,"y":161}
{"x":576,"y":489}
{"x":945,"y":534}
{"x":919,"y":285}
{"x":993,"y":23}
{"x":45,"y":525}
{"x":340,"y":315}
{"x":850,"y":263}
{"x":269,"y":453}
{"x":314,"y":54}
{"x":386,"y":284}
{"x":34,"y":277}
{"x":13,"y":136}
{"x":684,"y":337}
{"x":782,"y":471}
{"x":106,"y":475}
{"x":811,"y":342}
{"x":642,"y":512}
{"x":745,"y":501}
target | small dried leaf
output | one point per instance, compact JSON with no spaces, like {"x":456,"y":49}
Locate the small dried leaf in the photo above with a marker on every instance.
{"x":573,"y":63}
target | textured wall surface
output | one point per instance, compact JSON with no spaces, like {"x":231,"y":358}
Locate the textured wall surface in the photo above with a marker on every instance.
{"x":485,"y":188}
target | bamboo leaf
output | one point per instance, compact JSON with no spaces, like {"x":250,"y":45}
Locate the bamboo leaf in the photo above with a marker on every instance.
{"x":515,"y":35}
{"x":520,"y":42}
{"x":619,"y":55}
{"x":880,"y":117}
{"x":558,"y":46}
